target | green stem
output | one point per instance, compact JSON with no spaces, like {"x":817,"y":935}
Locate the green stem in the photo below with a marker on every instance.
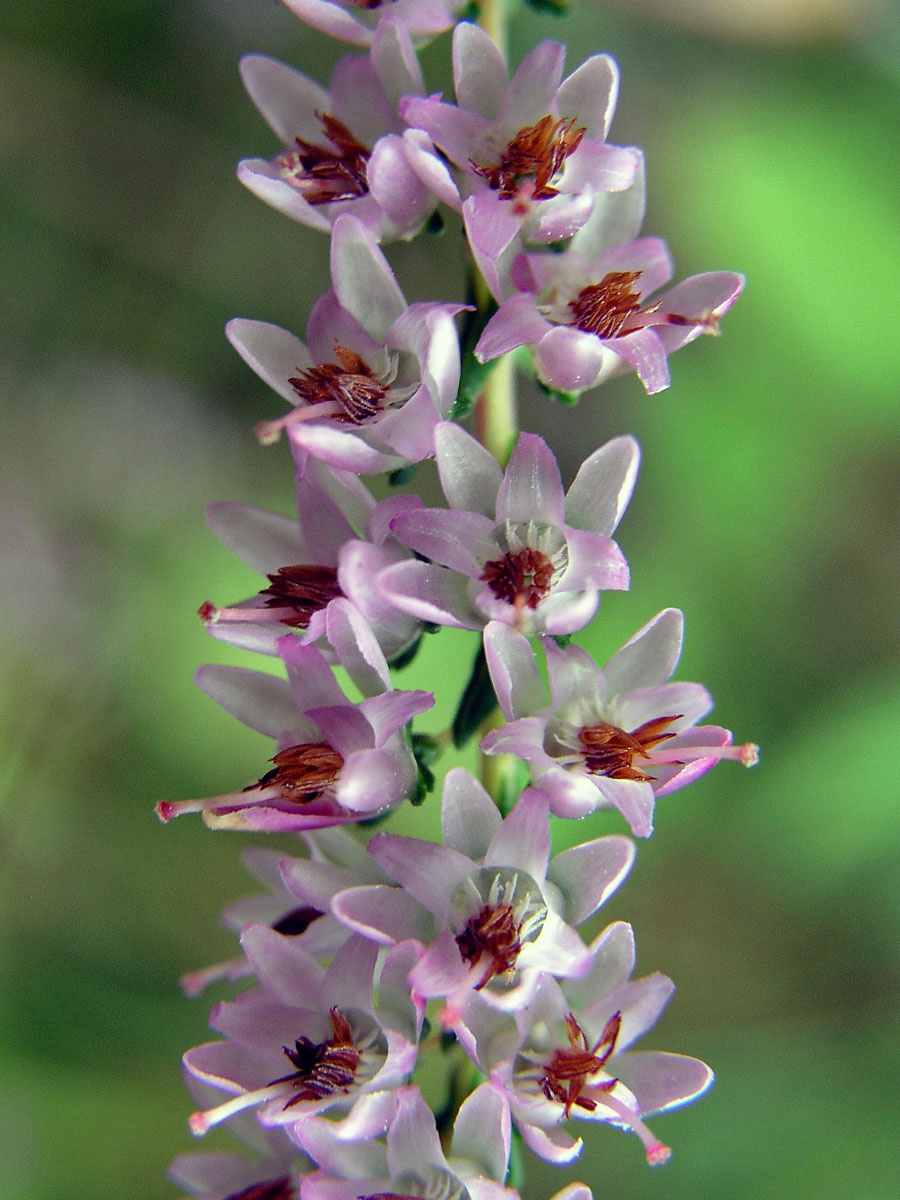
{"x":492,"y":19}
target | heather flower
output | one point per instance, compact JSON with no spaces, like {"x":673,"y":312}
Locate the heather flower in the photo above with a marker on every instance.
{"x":335,"y":761}
{"x":306,"y":1040}
{"x":500,"y":911}
{"x":297,"y":903}
{"x":610,"y":737}
{"x":569,"y":1056}
{"x":587,"y":319}
{"x":375,"y":376}
{"x":531,"y":150}
{"x":357,"y":21}
{"x":514,"y":547}
{"x":339,"y":540}
{"x":412,"y":1163}
{"x":344,"y":147}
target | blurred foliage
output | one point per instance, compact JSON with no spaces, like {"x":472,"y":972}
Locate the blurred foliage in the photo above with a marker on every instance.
{"x":767,"y":509}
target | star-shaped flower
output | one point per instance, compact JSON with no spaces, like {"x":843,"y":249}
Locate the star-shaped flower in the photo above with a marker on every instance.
{"x":615,"y":737}
{"x":513,"y":546}
{"x":375,"y":376}
{"x":344,"y":146}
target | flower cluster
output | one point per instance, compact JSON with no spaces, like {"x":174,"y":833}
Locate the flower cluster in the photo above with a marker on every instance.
{"x":365,"y":956}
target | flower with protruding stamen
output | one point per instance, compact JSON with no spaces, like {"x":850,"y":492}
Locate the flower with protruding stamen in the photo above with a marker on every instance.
{"x":335,"y":761}
{"x":569,"y":1056}
{"x":339,"y":540}
{"x":341,"y":1050}
{"x":531,"y":150}
{"x":587,"y":319}
{"x":357,"y":21}
{"x":376,"y":375}
{"x":490,"y":907}
{"x":344,"y":145}
{"x":513,"y":546}
{"x":615,"y":737}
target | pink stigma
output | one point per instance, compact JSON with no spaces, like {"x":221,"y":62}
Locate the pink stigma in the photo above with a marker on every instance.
{"x":658,"y":1154}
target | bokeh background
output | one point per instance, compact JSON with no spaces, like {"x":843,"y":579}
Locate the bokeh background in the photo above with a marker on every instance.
{"x":767,"y":509}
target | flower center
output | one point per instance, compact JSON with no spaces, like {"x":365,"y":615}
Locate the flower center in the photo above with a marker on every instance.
{"x":536,"y":152}
{"x":350,"y":384}
{"x":604,"y":308}
{"x":568,"y":1072}
{"x":275,"y":1189}
{"x":343,"y":1061}
{"x":608,"y":750}
{"x":302,"y":772}
{"x":522,"y":578}
{"x":326,"y":173}
{"x":302,"y":591}
{"x":497,"y":911}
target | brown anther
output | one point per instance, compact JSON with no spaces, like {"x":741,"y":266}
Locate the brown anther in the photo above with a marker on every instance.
{"x":608,"y":750}
{"x":522,"y":578}
{"x":368,"y":4}
{"x":537,"y":152}
{"x":297,"y":921}
{"x":304,"y":589}
{"x":604,"y":308}
{"x":569,"y":1071}
{"x":494,"y":931}
{"x":323,"y":1068}
{"x":275,"y":1189}
{"x":302,"y":772}
{"x":350,"y":383}
{"x":326,"y":173}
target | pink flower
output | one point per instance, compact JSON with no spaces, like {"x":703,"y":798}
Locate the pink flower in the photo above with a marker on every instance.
{"x":344,"y":149}
{"x":490,"y":907}
{"x":335,"y":761}
{"x":531,"y":150}
{"x":357,"y":21}
{"x":615,"y":737}
{"x":569,"y":1054}
{"x":338,"y":542}
{"x":376,"y":375}
{"x":586,"y":319}
{"x":514,"y":547}
{"x":307,"y":1040}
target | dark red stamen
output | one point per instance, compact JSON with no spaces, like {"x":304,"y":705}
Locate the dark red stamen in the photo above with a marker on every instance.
{"x":537,"y":152}
{"x":302,"y":772}
{"x":604,"y":308}
{"x":523,"y":578}
{"x":608,"y":750}
{"x":305,"y":589}
{"x":494,"y":932}
{"x":323,"y":1068}
{"x":569,"y":1070}
{"x":327,"y":173}
{"x":350,"y":383}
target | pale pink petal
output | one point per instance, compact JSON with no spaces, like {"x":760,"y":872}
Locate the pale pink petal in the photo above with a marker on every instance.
{"x":645,"y":352}
{"x":257,"y":699}
{"x":454,"y":130}
{"x":588,"y":874}
{"x":396,"y":186}
{"x":289,"y":100}
{"x":570,"y":360}
{"x":532,"y":90}
{"x":429,"y":872}
{"x":590,"y":94}
{"x":514,"y":671}
{"x":273,"y":353}
{"x":429,"y":592}
{"x":264,"y":180}
{"x":482,"y":1131}
{"x":363,"y":280}
{"x":383,"y":914}
{"x":263,"y":540}
{"x":662,"y":1081}
{"x":517,"y":322}
{"x":532,"y":486}
{"x":469,"y":817}
{"x":522,"y":841}
{"x":602,"y":488}
{"x":470,"y":475}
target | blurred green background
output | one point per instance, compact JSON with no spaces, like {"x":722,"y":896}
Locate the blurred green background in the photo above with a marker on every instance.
{"x":767,"y":509}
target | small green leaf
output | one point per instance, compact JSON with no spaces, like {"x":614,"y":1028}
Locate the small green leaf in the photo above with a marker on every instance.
{"x":477,"y":703}
{"x":562,"y":640}
{"x":474,"y":373}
